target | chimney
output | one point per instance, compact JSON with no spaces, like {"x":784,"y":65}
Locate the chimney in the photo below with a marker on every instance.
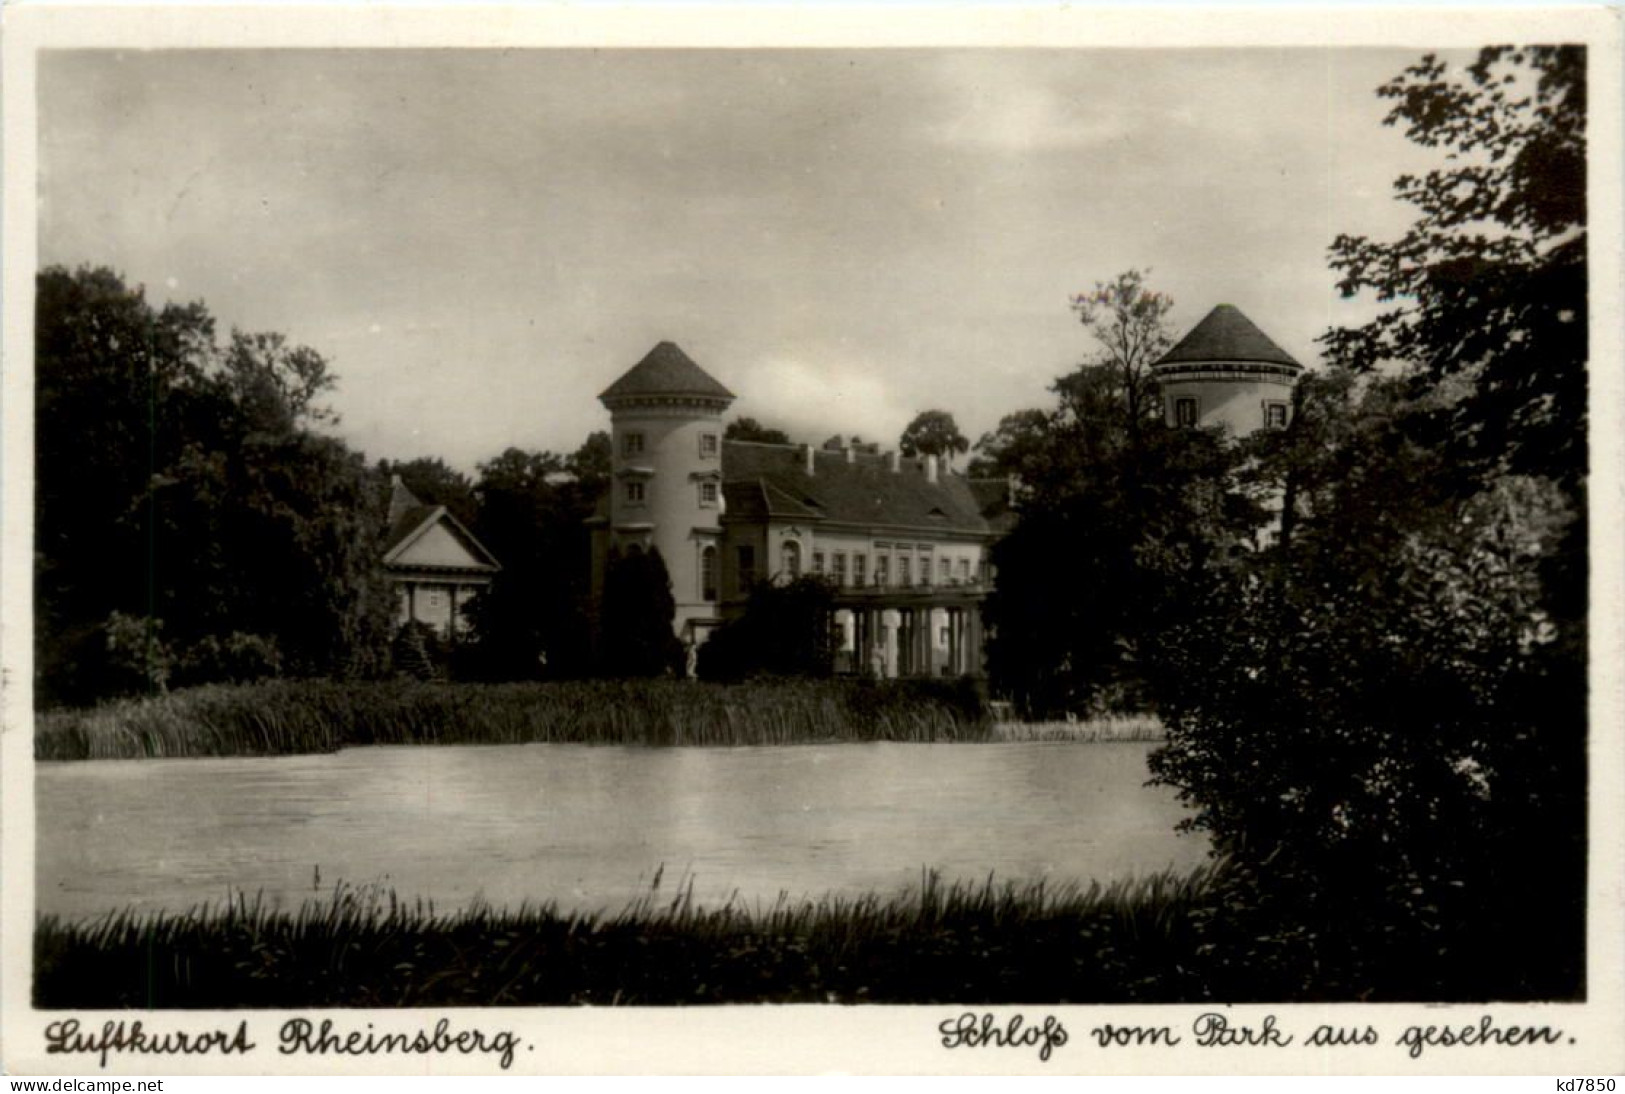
{"x":931,"y":468}
{"x":895,"y":460}
{"x":807,"y":454}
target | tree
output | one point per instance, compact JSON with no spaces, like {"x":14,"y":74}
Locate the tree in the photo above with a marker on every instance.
{"x":749,"y":429}
{"x":786,"y":630}
{"x":1014,"y":448}
{"x":637,"y":615}
{"x":1128,"y":322}
{"x":933,"y":433}
{"x":180,"y":485}
{"x":590,"y":464}
{"x":434,"y":482}
{"x":1119,"y":524}
{"x":1489,"y":284}
{"x":531,"y":514}
{"x":1382,"y":720}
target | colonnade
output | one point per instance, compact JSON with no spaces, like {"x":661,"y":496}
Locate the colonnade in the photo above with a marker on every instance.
{"x":910,"y":640}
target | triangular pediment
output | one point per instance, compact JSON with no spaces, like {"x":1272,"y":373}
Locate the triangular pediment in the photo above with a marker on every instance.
{"x":440,"y":542}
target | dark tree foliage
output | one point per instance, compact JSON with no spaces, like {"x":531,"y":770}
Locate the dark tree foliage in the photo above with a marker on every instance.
{"x":590,"y":464}
{"x":749,"y":429}
{"x":1128,"y":322}
{"x":933,"y":433}
{"x":636,"y":617}
{"x":530,"y":622}
{"x":435,"y":482}
{"x":1114,"y":544}
{"x":1489,"y":285}
{"x":786,"y":630}
{"x":1382,"y":721}
{"x":1120,"y":522}
{"x":180,"y":483}
{"x":1016,"y":447}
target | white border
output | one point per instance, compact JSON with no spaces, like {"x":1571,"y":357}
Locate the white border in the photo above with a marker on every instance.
{"x":801,"y":1039}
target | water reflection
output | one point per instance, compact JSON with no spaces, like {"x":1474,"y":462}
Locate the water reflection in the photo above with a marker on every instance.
{"x":588,"y":826}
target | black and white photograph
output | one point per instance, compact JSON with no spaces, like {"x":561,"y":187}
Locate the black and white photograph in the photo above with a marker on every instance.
{"x":1091,"y":542}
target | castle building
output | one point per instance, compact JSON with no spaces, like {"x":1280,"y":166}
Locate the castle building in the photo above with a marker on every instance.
{"x":1226,"y":372}
{"x":903,"y":541}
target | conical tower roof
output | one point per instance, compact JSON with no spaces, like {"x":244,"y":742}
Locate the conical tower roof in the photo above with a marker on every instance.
{"x":1226,"y":335}
{"x":666,"y":370}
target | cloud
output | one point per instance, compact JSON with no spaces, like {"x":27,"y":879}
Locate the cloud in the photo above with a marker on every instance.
{"x":812,"y":400}
{"x":1028,"y":119}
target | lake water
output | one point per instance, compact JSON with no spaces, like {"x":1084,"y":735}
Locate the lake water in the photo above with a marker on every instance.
{"x":588,"y":826}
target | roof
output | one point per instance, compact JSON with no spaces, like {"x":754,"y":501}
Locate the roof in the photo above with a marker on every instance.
{"x":763,"y":481}
{"x":666,"y":370}
{"x":410,"y":520}
{"x":1226,"y":335}
{"x":993,"y":496}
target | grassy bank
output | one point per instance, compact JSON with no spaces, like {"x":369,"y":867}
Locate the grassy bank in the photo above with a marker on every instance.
{"x":938,"y":943}
{"x":284,"y":717}
{"x":1109,"y":728}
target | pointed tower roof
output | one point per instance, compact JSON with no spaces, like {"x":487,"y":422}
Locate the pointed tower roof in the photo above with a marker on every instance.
{"x":666,"y":370}
{"x":401,"y":500}
{"x":1226,"y":335}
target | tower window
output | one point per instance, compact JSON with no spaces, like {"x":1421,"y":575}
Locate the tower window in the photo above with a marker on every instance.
{"x":791,"y":564}
{"x":818,"y":563}
{"x":708,"y":444}
{"x":708,"y":494}
{"x":634,"y":493}
{"x":708,"y":573}
{"x":745,"y":568}
{"x":860,"y":570}
{"x":882,"y":569}
{"x":632,"y":444}
{"x":839,"y":573}
{"x":903,"y":578}
{"x":1274,"y":415}
{"x":1185,"y":412}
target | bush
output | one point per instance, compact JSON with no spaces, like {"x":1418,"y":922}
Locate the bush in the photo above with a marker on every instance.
{"x":135,"y":660}
{"x":240,"y":659}
{"x":786,"y":630}
{"x":1388,"y":739}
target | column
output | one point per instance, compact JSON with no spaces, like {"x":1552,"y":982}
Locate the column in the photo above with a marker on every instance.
{"x":953,"y":643}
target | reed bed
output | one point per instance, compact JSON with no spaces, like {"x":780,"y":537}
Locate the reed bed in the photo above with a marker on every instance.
{"x":303,"y":716}
{"x":1129,"y":942}
{"x":1108,"y":728}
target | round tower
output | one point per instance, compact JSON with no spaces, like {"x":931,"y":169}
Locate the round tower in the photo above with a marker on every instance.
{"x":1227,"y":372}
{"x":666,"y":474}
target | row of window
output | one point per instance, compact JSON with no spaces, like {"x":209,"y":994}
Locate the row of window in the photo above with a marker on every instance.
{"x":632,"y":445}
{"x":637,"y":493}
{"x":790,"y":566}
{"x":1187,"y":411}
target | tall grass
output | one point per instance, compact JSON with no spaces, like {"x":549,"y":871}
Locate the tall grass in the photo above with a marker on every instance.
{"x":283,"y":717}
{"x":987,"y":942}
{"x":1106,"y":728}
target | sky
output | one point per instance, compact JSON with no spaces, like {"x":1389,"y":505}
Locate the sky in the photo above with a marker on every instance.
{"x":480,"y":242}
